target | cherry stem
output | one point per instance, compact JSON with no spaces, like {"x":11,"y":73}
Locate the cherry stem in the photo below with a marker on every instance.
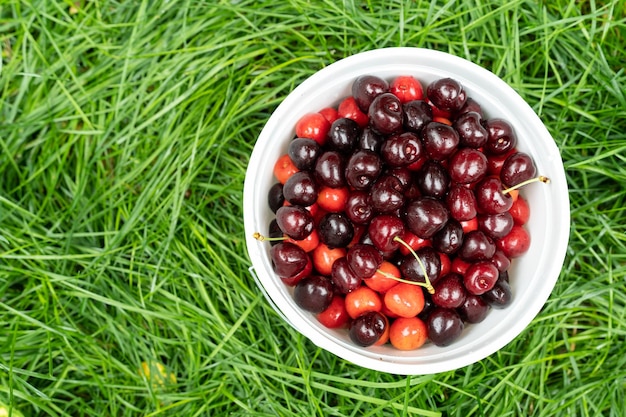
{"x":258,"y":236}
{"x":395,"y":278}
{"x":427,"y":284}
{"x":540,"y":178}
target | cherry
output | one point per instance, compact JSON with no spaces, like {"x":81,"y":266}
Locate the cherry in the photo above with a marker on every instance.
{"x":404,"y":300}
{"x":385,"y":114}
{"x":368,"y":328}
{"x":423,"y":267}
{"x":426,"y":216}
{"x":309,"y":243}
{"x":329,"y":169}
{"x":470,"y":106}
{"x":274,"y":233}
{"x":490,"y":198}
{"x":446,"y":94}
{"x":402,"y":149}
{"x":471,"y":132}
{"x":500,"y":295}
{"x":384,"y":278}
{"x":335,"y":230}
{"x":275,"y":197}
{"x":520,"y":211}
{"x":324,"y":257}
{"x":383,"y":230}
{"x":477,"y":246}
{"x":288,"y":260}
{"x":301,"y":189}
{"x":333,"y":200}
{"x":501,"y":261}
{"x":303,"y":153}
{"x":362,"y":300}
{"x":516,"y":243}
{"x":474,"y":309}
{"x":295,"y":221}
{"x":386,"y":194}
{"x":313,"y":293}
{"x":284,"y":168}
{"x":450,"y":291}
{"x":501,"y":136}
{"x":449,"y":239}
{"x":362,"y":169}
{"x":313,"y":126}
{"x":417,"y":114}
{"x":366,"y":88}
{"x":364,"y":260}
{"x":517,"y":168}
{"x":444,"y":326}
{"x":330,"y":113}
{"x":433,"y":180}
{"x":343,"y":277}
{"x":496,"y":226}
{"x":358,"y":208}
{"x":480,"y":277}
{"x":335,"y":316}
{"x":406,"y":88}
{"x":343,"y":135}
{"x":440,"y":140}
{"x":408,"y":333}
{"x":468,"y":165}
{"x":461,"y":203}
{"x":349,"y":109}
{"x":370,"y":140}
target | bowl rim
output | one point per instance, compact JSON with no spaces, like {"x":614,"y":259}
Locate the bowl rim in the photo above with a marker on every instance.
{"x":373,"y":360}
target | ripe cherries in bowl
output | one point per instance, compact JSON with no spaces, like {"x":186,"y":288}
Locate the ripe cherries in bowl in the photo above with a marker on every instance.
{"x":533,"y":274}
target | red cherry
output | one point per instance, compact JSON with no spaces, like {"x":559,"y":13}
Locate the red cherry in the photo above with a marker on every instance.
{"x":516,"y":243}
{"x":406,"y":88}
{"x":520,"y":211}
{"x":284,"y":168}
{"x":313,"y":126}
{"x":349,"y":109}
{"x":330,"y":113}
{"x":333,"y":200}
{"x":336,"y":315}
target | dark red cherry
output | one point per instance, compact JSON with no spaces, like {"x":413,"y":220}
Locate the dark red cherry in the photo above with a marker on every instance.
{"x":489,"y":196}
{"x":412,"y":270}
{"x":364,"y":260}
{"x":461,"y":203}
{"x":450,"y":291}
{"x":303,"y":152}
{"x":450,"y":238}
{"x":335,"y":230}
{"x":402,"y":149}
{"x":314,"y":293}
{"x":500,"y":295}
{"x":368,"y":328}
{"x":383,"y":229}
{"x":343,"y":277}
{"x":288,"y":259}
{"x":295,"y":221}
{"x":385,"y":114}
{"x":444,"y":326}
{"x":433,"y":180}
{"x":362,"y":169}
{"x":480,"y":277}
{"x":343,"y":135}
{"x":417,"y":114}
{"x":275,"y":197}
{"x":467,"y":165}
{"x":426,"y":216}
{"x":366,"y":88}
{"x":370,"y":140}
{"x":359,"y":208}
{"x":470,"y":105}
{"x":471,"y":132}
{"x":496,"y":226}
{"x":330,"y":169}
{"x":517,"y":168}
{"x":386,"y":194}
{"x":301,"y":189}
{"x":474,"y":309}
{"x":501,"y":137}
{"x":446,"y":94}
{"x":440,"y":140}
{"x":477,"y":246}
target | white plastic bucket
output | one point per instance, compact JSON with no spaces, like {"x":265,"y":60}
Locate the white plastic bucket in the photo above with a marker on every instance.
{"x":532,"y":276}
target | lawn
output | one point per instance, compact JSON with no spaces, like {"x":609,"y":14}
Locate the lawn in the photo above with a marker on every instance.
{"x":125,"y":132}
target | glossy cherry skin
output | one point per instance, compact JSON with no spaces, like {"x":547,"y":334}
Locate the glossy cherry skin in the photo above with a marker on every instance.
{"x":383,"y":229}
{"x":450,"y":238}
{"x":426,"y":216}
{"x":471,"y":132}
{"x":343,"y":277}
{"x":304,"y":152}
{"x":447,"y":94}
{"x":501,"y":137}
{"x":275,"y":197}
{"x":412,"y":269}
{"x":335,"y":230}
{"x":301,"y":189}
{"x":517,"y":168}
{"x":343,"y":135}
{"x":461,"y":203}
{"x":467,"y":165}
{"x":496,"y":226}
{"x":362,"y":169}
{"x":359,"y":208}
{"x":295,"y":221}
{"x":433,"y":180}
{"x":450,"y":291}
{"x":364,"y":260}
{"x":474,"y":309}
{"x":314,"y":293}
{"x":417,"y":114}
{"x":489,"y":196}
{"x":368,"y":328}
{"x":500,"y":296}
{"x":386,"y":194}
{"x":440,"y":140}
{"x":402,"y":149}
{"x":444,"y":326}
{"x":480,"y":277}
{"x":366,"y":88}
{"x":288,"y":259}
{"x":477,"y":246}
{"x":386,"y":114}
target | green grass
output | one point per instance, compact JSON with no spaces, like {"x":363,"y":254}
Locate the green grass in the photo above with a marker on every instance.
{"x":125,"y":131}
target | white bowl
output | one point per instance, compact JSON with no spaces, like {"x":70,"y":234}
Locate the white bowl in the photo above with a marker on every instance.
{"x":533,"y":275}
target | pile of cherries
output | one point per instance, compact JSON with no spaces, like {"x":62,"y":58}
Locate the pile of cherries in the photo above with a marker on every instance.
{"x":397,"y":213}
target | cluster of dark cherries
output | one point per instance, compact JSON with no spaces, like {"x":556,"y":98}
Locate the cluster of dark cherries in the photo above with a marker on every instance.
{"x":397,"y":213}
